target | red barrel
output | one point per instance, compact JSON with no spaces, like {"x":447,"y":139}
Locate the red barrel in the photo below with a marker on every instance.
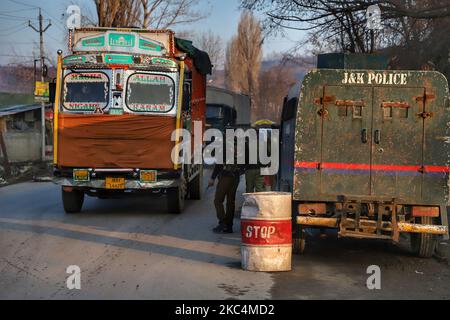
{"x":266,"y":228}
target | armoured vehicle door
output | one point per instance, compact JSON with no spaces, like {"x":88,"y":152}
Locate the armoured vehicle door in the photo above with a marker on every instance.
{"x":397,"y":153}
{"x":346,"y":135}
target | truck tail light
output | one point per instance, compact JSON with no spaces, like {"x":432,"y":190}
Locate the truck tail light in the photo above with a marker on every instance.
{"x":425,"y":211}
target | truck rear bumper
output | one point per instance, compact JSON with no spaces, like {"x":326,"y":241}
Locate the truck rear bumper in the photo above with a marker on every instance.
{"x":129,"y":184}
{"x":401,"y":226}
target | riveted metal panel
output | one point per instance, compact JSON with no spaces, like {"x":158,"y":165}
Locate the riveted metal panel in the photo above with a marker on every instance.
{"x":409,"y":110}
{"x":397,"y":147}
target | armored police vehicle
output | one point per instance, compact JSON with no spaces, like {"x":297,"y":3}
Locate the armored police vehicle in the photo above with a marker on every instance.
{"x":367,"y":152}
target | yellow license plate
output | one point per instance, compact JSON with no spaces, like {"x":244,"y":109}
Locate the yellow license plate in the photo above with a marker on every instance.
{"x":148,"y":176}
{"x":80,"y":175}
{"x":115,"y":183}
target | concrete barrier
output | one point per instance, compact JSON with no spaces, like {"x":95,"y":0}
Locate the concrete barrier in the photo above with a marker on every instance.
{"x":266,"y":227}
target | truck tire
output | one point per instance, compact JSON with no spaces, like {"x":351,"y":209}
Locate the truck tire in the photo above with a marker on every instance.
{"x":423,"y":244}
{"x":72,"y":200}
{"x":298,"y":240}
{"x":196,"y":186}
{"x":175,"y":200}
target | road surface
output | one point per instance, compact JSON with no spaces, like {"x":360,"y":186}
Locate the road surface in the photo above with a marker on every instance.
{"x":133,"y":249}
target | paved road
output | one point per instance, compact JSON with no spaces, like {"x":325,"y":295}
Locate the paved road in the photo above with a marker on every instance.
{"x":132,"y":249}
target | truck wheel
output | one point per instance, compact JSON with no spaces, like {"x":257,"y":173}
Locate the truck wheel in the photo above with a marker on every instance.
{"x":423,"y":244}
{"x":72,"y":200}
{"x":175,"y":200}
{"x":196,"y":186}
{"x":298,"y":240}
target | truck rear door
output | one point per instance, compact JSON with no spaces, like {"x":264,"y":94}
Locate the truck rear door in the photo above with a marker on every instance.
{"x":373,"y":135}
{"x":346,"y":134}
{"x":397,"y":153}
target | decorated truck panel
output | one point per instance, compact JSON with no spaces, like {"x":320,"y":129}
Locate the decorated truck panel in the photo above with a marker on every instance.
{"x":121,"y":95}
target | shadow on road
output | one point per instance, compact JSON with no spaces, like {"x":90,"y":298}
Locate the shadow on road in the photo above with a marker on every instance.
{"x":150,"y":247}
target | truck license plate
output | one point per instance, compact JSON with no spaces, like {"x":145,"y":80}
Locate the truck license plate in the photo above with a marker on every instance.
{"x":80,"y":175}
{"x":115,"y":183}
{"x":148,"y":176}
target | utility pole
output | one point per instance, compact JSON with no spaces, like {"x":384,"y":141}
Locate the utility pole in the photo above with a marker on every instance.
{"x":41,"y":31}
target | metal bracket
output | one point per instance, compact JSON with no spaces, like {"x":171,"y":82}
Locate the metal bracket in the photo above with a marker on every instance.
{"x":323,"y":113}
{"x":425,"y":115}
{"x":426,"y":97}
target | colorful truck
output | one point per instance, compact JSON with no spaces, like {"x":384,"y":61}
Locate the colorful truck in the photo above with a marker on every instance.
{"x":366,"y":152}
{"x":120,"y":96}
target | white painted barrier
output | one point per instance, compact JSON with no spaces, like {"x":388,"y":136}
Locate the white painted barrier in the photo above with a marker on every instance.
{"x":266,"y":227}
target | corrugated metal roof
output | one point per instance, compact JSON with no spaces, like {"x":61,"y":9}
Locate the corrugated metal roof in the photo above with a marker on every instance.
{"x":9,"y":110}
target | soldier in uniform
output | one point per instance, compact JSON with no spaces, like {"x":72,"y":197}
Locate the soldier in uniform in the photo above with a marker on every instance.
{"x":254,"y":181}
{"x":229,"y":177}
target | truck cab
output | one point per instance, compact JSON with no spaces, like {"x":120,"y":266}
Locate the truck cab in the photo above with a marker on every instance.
{"x":220,"y":116}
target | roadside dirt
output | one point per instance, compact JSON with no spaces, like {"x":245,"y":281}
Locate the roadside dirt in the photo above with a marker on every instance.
{"x":26,"y":171}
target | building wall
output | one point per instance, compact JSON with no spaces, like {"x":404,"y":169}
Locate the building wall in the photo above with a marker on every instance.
{"x":23,"y":146}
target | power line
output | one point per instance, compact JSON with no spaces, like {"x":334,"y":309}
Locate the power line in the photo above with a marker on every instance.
{"x":14,"y":16}
{"x":13,"y":31}
{"x":21,"y":42}
{"x":24,"y":4}
{"x":15,"y":55}
{"x":18,"y":10}
{"x":52,"y":37}
{"x":16,"y":19}
{"x":56,"y":20}
{"x":13,"y":27}
{"x":48,"y":13}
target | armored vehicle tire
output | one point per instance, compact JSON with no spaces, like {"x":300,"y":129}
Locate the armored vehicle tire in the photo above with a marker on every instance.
{"x":196,"y":186}
{"x":72,"y":200}
{"x":423,"y":244}
{"x":298,"y":245}
{"x":175,"y":200}
{"x":298,"y":240}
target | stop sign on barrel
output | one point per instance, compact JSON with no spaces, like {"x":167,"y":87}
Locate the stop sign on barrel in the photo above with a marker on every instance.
{"x":266,"y":227}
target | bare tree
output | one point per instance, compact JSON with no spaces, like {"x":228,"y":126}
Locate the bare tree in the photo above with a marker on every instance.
{"x":342,"y":21}
{"x":233,"y":73}
{"x":163,"y":14}
{"x":113,"y":13}
{"x":212,"y":44}
{"x":274,"y":83}
{"x":156,"y":14}
{"x":409,"y":26}
{"x":243,"y":58}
